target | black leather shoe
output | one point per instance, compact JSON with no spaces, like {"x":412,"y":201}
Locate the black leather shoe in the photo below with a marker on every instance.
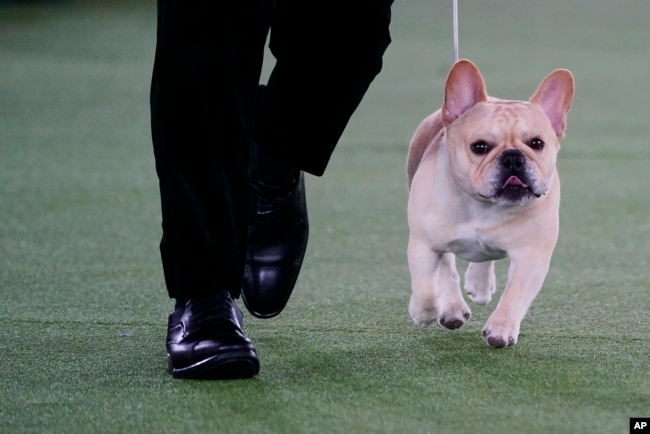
{"x":277,"y":239}
{"x":205,"y":340}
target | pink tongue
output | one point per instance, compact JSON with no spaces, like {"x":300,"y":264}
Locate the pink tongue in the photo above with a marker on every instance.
{"x":513,"y":181}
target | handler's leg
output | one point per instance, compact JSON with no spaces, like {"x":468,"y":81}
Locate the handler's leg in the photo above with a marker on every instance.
{"x":206,"y":72}
{"x":327,"y":55}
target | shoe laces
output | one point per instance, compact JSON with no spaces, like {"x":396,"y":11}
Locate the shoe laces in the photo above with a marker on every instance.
{"x":216,"y":313}
{"x":271,"y":199}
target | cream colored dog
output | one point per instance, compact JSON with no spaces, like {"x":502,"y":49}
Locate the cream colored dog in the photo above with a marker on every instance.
{"x":483,"y":186}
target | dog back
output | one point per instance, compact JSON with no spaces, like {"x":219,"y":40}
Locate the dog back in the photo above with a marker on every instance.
{"x":426,"y":135}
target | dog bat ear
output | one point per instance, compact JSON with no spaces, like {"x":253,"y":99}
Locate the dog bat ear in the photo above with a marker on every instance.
{"x":554,"y":95}
{"x":463,"y":90}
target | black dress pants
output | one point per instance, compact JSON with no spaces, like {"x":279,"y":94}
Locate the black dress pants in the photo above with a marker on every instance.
{"x":208,"y":109}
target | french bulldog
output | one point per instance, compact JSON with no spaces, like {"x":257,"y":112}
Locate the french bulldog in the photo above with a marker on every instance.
{"x":483,"y":186}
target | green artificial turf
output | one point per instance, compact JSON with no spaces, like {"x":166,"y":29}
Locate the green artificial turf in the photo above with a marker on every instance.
{"x":83,"y":306}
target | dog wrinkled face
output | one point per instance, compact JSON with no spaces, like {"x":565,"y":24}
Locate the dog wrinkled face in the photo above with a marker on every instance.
{"x":504,"y":151}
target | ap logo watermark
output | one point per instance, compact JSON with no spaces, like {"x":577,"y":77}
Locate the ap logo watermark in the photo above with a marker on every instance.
{"x":640,"y":425}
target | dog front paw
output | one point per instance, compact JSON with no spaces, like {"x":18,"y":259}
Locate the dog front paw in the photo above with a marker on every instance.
{"x":500,"y":335}
{"x":454,"y":320}
{"x":423,"y":312}
{"x":453,"y":311}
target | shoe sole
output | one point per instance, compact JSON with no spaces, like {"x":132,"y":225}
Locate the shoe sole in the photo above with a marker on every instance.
{"x":231,"y":366}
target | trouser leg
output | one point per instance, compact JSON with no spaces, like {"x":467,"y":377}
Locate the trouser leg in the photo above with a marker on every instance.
{"x":206,"y":72}
{"x":327,"y":54}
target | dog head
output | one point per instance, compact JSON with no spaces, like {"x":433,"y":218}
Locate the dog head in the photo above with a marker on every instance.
{"x":504,"y":151}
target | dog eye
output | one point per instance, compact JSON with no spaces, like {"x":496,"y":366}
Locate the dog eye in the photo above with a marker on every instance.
{"x":536,"y":143}
{"x":480,"y":147}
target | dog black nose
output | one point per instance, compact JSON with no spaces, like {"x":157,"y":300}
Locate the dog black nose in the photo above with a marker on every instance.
{"x":512,"y":159}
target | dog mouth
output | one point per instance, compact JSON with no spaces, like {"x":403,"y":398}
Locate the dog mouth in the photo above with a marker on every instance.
{"x":514,"y":189}
{"x":514,"y":182}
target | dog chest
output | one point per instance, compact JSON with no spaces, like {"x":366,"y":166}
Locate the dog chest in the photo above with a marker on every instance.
{"x":475,"y":249}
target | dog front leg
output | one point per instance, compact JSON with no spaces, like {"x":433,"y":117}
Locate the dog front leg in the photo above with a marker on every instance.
{"x":423,"y":266}
{"x":453,"y":312}
{"x":436,"y":287}
{"x":525,"y":280}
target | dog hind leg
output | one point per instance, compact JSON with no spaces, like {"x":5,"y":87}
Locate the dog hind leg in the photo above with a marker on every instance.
{"x":480,"y":282}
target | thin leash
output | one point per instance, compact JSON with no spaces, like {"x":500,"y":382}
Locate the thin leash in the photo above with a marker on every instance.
{"x":455,"y":26}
